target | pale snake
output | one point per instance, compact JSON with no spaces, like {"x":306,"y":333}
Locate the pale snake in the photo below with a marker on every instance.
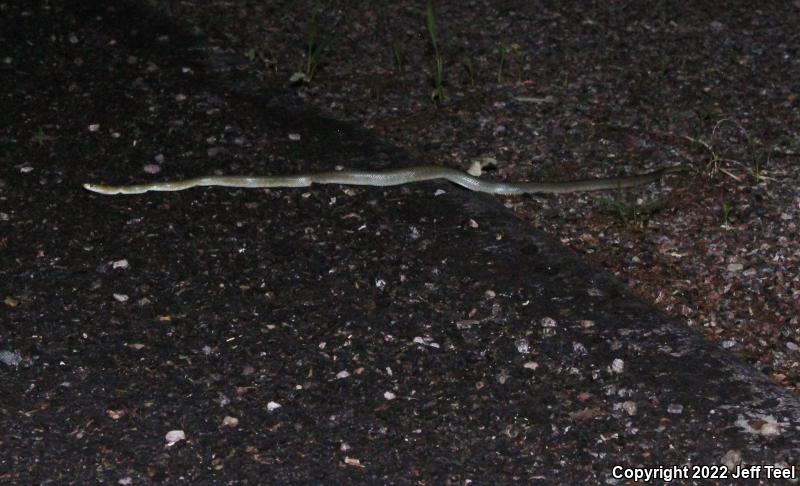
{"x":392,"y":178}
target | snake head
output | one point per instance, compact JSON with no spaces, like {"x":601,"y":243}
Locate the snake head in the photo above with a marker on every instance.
{"x":99,"y":188}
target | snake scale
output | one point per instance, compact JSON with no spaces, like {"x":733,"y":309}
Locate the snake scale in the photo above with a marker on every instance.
{"x":392,"y":178}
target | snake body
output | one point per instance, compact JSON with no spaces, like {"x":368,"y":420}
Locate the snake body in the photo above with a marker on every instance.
{"x":391,"y":178}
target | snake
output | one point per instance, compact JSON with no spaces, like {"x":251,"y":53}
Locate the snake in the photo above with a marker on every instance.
{"x":392,"y":177}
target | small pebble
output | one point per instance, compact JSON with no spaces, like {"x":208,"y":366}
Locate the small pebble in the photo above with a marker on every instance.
{"x":10,"y":358}
{"x":174,"y":436}
{"x":120,"y":264}
{"x":272,"y":406}
{"x":502,"y":377}
{"x":389,"y":395}
{"x":223,"y":400}
{"x":426,"y":341}
{"x":675,"y":408}
{"x":229,"y":421}
{"x":342,"y":374}
{"x":531,"y":365}
{"x":121,"y":297}
{"x":595,"y":292}
{"x":731,"y":459}
{"x":352,"y":461}
{"x":115,"y":414}
{"x":617,"y":366}
{"x":152,"y":168}
{"x":762,"y":425}
{"x":630,"y":407}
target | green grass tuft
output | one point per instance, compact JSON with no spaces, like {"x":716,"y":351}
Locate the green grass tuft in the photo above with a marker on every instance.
{"x":439,"y":93}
